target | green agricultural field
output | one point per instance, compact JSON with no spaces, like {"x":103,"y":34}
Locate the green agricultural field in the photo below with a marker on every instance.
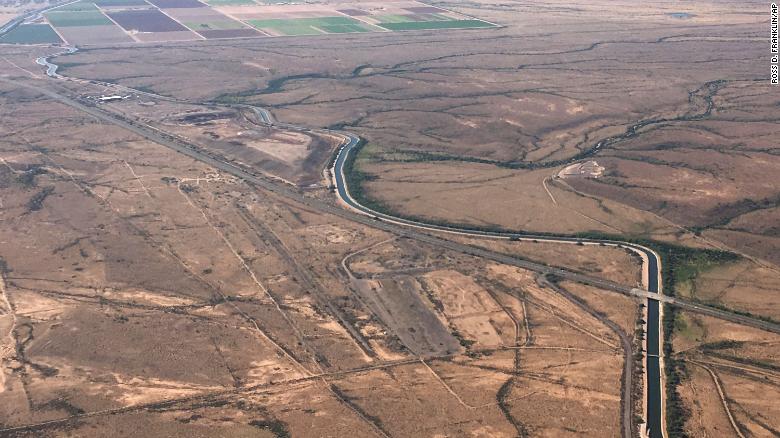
{"x":285,"y":27}
{"x":78,"y":18}
{"x":392,"y":18}
{"x":31,"y":34}
{"x":345,"y":28}
{"x":311,"y":26}
{"x":429,"y":25}
{"x":213,"y":25}
{"x":432,"y":17}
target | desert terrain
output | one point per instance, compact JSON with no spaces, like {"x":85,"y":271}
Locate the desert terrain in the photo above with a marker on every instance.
{"x":178,"y":258}
{"x":493,"y":103}
{"x":163,"y":290}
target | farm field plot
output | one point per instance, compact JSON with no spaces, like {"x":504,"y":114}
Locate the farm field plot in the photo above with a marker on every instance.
{"x":177,"y":4}
{"x":78,"y":18}
{"x":206,"y":19}
{"x":78,"y":6}
{"x":183,"y":35}
{"x":408,"y":16}
{"x":94,"y":34}
{"x":350,"y":17}
{"x":31,"y":34}
{"x":120,"y":4}
{"x":229,"y":33}
{"x":213,"y":25}
{"x":310,"y":26}
{"x":105,"y":22}
{"x":146,"y":21}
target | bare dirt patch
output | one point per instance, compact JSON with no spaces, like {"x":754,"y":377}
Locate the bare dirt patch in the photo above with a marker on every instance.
{"x":744,"y":363}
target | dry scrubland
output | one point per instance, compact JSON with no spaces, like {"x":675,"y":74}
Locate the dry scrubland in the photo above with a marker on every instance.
{"x":6,"y":15}
{"x":170,"y":299}
{"x":616,"y":264}
{"x":740,"y":285}
{"x":144,"y":293}
{"x":295,"y":157}
{"x":552,"y":83}
{"x":732,"y":372}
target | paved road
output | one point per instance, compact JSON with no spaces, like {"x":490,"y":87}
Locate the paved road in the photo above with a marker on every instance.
{"x":410,"y":229}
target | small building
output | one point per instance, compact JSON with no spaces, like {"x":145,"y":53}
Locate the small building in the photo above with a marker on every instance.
{"x":111,"y":98}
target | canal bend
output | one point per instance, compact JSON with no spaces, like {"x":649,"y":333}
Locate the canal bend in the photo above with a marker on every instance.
{"x":653,"y":382}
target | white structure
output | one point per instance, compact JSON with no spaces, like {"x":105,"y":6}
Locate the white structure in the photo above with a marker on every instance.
{"x":111,"y":98}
